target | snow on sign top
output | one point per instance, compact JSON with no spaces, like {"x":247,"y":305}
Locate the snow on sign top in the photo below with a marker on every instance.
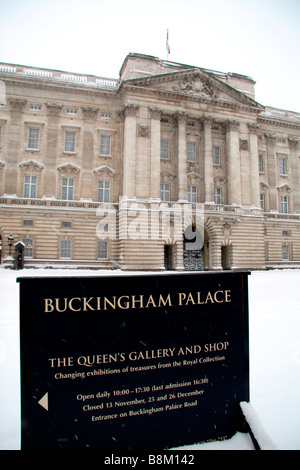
{"x":103,"y":358}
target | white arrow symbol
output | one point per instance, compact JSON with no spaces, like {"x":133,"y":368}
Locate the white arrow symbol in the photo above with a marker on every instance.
{"x":44,"y":401}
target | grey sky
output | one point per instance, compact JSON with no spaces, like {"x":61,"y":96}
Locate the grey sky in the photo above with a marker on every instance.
{"x":258,"y":38}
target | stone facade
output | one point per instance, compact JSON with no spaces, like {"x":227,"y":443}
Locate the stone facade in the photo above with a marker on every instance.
{"x":169,"y":167}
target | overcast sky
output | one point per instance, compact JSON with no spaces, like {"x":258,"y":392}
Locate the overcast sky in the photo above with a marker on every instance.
{"x":258,"y":38}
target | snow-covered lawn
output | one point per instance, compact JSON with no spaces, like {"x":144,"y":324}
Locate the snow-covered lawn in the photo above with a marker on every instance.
{"x":274,"y":325}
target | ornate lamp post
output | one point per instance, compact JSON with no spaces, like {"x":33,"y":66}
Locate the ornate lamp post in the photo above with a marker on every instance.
{"x":10,"y":240}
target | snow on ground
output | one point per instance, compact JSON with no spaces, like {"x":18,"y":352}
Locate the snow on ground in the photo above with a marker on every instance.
{"x":274,"y":326}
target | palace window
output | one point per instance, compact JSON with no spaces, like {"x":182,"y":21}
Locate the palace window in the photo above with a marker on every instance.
{"x":260,"y":163}
{"x":102,"y":249}
{"x":191,"y":152}
{"x":284,"y":204}
{"x":283,"y":166}
{"x":33,"y":138}
{"x":30,"y":186}
{"x":103,"y":191}
{"x":28,"y":251}
{"x":217,"y":195}
{"x":216,"y":155}
{"x":106,"y":115}
{"x":262,"y":201}
{"x":192,"y":194}
{"x":164,"y":149}
{"x":285,"y":252}
{"x":35,"y":107}
{"x":28,"y":223}
{"x":70,"y":141}
{"x":105,"y":145}
{"x":67,"y":190}
{"x":66,"y":224}
{"x":165,"y":192}
{"x":65,"y":249}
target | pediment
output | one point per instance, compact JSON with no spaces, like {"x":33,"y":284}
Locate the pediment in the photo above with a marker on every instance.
{"x":193,"y":175}
{"x":284,"y":188}
{"x":219,"y":180}
{"x":32,"y":164}
{"x":195,"y":83}
{"x":68,"y":168}
{"x":264,"y":186}
{"x":105,"y":169}
{"x":167,"y":175}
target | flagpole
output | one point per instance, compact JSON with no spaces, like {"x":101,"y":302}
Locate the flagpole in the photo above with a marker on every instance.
{"x":167,"y":45}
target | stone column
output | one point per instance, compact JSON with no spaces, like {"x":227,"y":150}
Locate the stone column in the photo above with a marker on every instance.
{"x":12,"y":184}
{"x":208,"y":161}
{"x":294,"y":170}
{"x":155,"y":115}
{"x":255,"y":198}
{"x":233,"y":162}
{"x":129,"y":160}
{"x":52,"y":154}
{"x":272,"y":171}
{"x":181,"y":157}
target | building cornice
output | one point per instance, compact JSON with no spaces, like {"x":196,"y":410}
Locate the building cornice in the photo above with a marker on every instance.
{"x":62,"y":86}
{"x":280,"y":118}
{"x":278,"y":123}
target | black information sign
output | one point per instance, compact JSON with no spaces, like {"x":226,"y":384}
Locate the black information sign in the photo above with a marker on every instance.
{"x":129,"y":362}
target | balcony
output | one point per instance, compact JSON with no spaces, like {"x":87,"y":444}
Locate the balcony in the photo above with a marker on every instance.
{"x":49,"y":203}
{"x":279,"y":215}
{"x":217,"y":209}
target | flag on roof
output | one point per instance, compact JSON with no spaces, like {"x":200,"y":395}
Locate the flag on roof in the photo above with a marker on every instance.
{"x":167,"y":43}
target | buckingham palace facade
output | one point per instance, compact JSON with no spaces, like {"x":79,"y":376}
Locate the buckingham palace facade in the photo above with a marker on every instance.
{"x":170,"y":166}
